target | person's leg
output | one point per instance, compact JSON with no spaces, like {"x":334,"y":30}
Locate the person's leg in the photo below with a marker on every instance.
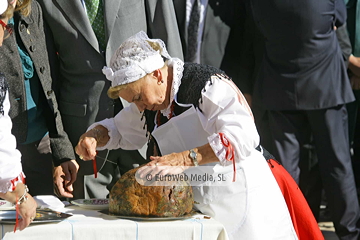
{"x":356,"y":155}
{"x":330,"y":132}
{"x":354,"y":136}
{"x":261,"y":117}
{"x":310,"y":179}
{"x":37,"y":165}
{"x":288,"y":130}
{"x":352,"y":109}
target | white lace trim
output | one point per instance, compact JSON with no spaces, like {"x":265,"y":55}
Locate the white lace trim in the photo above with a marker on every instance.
{"x":133,"y":72}
{"x":178,"y":68}
{"x":135,"y":58}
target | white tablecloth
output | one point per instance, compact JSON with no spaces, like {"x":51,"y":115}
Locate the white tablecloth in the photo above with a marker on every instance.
{"x":91,"y":224}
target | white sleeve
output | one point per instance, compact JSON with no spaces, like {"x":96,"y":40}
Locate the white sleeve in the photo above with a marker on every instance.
{"x":10,"y":157}
{"x":225,"y":110}
{"x":127,"y":130}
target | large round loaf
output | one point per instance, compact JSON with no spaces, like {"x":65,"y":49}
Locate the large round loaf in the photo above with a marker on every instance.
{"x":129,"y":198}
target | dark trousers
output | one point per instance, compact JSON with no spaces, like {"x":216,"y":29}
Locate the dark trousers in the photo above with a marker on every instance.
{"x":354,"y":134}
{"x":262,"y":124}
{"x":37,"y":165}
{"x":309,"y":181}
{"x":291,"y":130}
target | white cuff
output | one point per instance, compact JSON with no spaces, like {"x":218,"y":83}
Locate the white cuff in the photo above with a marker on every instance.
{"x":218,"y":148}
{"x":8,"y":185}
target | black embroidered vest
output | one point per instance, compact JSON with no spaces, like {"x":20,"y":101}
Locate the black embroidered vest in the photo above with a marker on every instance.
{"x":195,"y":77}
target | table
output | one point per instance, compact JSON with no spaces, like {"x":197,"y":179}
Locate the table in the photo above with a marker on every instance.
{"x":91,"y":224}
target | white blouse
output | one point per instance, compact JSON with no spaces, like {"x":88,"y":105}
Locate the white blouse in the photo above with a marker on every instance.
{"x":10,"y":157}
{"x":224,"y":110}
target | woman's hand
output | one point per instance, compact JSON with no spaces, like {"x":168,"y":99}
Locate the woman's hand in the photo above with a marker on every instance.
{"x":172,"y":159}
{"x":176,"y":163}
{"x":86,"y":147}
{"x":173,"y":163}
{"x":27,"y":211}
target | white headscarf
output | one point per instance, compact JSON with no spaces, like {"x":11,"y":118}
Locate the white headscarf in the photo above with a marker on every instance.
{"x":3,"y":6}
{"x":134,"y":59}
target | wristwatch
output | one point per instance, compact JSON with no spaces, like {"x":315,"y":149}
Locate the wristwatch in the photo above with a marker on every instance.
{"x":193,"y":156}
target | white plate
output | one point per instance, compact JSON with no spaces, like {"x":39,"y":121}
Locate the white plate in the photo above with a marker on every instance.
{"x":93,"y":203}
{"x":186,"y":216}
{"x":42,"y":216}
{"x":5,"y":205}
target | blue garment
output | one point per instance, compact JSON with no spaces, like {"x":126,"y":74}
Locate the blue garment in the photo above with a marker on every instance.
{"x":303,"y":66}
{"x":37,"y":128}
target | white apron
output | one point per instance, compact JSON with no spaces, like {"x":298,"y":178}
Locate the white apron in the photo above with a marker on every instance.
{"x":250,"y":208}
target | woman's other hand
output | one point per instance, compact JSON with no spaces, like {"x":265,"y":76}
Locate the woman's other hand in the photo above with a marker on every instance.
{"x":173,"y":163}
{"x":95,"y":137}
{"x":27,"y":207}
{"x":27,"y":211}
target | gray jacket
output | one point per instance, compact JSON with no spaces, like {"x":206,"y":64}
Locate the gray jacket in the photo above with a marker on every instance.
{"x":31,"y":32}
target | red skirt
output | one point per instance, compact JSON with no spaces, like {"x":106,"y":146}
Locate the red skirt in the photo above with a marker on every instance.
{"x":302,"y":217}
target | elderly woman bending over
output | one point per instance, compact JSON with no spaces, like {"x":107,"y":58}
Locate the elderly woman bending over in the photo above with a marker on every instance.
{"x":190,"y":115}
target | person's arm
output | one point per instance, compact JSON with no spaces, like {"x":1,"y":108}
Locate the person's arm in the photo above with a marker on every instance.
{"x":226,"y":111}
{"x":10,"y":157}
{"x":62,"y":150}
{"x":344,"y":42}
{"x":205,"y":154}
{"x":11,"y":176}
{"x":126,"y":130}
{"x":340,"y":13}
{"x":89,"y":141}
{"x":354,"y":65}
{"x":26,"y":203}
{"x":354,"y":75}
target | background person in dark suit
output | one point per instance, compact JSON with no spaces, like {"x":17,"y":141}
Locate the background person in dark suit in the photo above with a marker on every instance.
{"x":304,"y":86}
{"x":219,"y":35}
{"x":250,"y":62}
{"x":353,"y":27}
{"x":84,"y":46}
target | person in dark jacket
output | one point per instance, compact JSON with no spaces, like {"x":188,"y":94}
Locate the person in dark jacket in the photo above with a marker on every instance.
{"x":304,"y":86}
{"x":37,"y":123}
